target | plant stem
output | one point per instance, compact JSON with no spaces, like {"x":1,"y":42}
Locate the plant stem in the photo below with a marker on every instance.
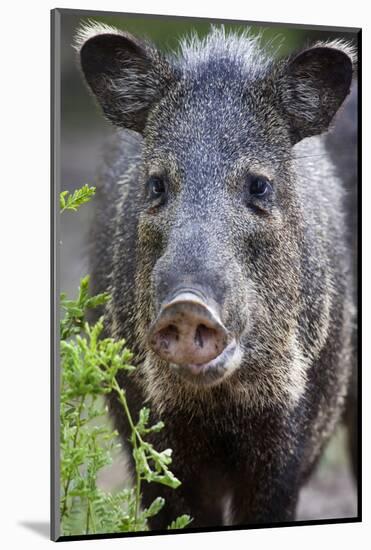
{"x":92,"y":518}
{"x":67,"y":486}
{"x":87,"y":517}
{"x":137,"y":488}
{"x":135,"y":436}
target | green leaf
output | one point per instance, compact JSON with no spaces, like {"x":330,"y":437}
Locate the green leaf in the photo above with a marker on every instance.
{"x":180,"y":522}
{"x":73,"y":201}
{"x":62,"y":199}
{"x":155,"y":507}
{"x":76,"y":310}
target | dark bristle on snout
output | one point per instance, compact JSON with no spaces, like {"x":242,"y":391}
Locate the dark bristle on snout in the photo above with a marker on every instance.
{"x":188,"y":332}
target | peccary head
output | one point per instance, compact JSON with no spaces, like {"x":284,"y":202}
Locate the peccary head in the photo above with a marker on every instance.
{"x":220,"y":223}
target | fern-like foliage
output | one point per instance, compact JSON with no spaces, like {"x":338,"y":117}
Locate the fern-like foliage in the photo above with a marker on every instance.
{"x":75,"y":310}
{"x":90,"y":365}
{"x":180,"y":522}
{"x":73,"y":201}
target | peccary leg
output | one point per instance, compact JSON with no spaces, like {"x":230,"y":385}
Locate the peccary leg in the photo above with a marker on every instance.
{"x":198,"y":497}
{"x":265,"y":497}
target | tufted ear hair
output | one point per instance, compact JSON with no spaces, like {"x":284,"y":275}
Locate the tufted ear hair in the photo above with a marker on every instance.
{"x":127,"y":76}
{"x":312,"y":85}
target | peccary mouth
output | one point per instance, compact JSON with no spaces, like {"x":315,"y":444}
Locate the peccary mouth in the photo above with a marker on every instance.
{"x":214,"y":371}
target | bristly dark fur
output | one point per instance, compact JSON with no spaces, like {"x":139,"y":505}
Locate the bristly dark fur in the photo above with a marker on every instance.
{"x":207,"y":117}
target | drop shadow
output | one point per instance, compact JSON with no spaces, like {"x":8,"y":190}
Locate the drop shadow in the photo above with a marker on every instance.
{"x":42,"y":528}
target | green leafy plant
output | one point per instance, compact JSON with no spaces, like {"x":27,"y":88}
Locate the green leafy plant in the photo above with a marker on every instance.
{"x":90,"y":364}
{"x":72,"y":201}
{"x":180,"y":522}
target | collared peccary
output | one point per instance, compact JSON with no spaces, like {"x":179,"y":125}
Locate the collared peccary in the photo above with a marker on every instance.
{"x":221,"y":234}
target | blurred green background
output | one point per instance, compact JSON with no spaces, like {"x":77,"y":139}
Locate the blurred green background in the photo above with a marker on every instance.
{"x":331,"y":491}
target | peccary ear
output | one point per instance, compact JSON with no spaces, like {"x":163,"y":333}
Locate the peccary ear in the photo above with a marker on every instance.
{"x":313,"y":85}
{"x":126,"y":75}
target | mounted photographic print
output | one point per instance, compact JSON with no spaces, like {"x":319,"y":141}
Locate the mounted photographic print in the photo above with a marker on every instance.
{"x":204,"y":180}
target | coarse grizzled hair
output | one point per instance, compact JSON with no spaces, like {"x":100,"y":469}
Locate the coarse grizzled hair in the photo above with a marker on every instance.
{"x":208,"y":116}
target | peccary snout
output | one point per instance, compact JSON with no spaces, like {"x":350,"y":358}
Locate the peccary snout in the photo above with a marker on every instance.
{"x":187,"y":331}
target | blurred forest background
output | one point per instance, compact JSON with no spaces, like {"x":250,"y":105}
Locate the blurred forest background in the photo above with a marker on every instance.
{"x":331,"y":491}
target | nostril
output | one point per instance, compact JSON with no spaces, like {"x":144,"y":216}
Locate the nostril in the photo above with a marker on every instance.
{"x":203,"y":335}
{"x":167,"y":336}
{"x":172,"y":332}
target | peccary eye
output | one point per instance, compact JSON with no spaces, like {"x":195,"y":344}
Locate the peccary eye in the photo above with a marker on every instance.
{"x":259,"y":187}
{"x":156,"y":188}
